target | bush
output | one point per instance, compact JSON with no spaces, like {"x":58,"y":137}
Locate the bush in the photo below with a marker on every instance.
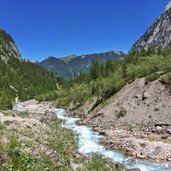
{"x":121,"y":113}
{"x":153,"y":77}
{"x":166,"y":79}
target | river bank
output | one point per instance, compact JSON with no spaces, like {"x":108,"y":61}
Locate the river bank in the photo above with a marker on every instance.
{"x":138,"y":144}
{"x":31,"y":138}
{"x":34,"y":125}
{"x":136,"y":120}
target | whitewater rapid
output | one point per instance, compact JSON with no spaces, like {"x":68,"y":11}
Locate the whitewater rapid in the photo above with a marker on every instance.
{"x":89,"y":142}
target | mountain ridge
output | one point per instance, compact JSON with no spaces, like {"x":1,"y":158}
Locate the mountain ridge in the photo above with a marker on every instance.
{"x":68,"y":66}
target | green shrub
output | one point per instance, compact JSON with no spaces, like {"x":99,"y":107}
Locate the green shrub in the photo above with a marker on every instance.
{"x":166,"y":79}
{"x":121,"y":113}
{"x":23,"y":114}
{"x":152,"y":77}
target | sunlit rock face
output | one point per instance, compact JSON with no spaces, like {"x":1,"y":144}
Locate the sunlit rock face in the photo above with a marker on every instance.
{"x":158,"y":35}
{"x":8,"y":48}
{"x":168,"y":6}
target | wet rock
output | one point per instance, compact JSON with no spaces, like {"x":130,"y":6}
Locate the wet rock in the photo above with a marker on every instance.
{"x":120,"y":166}
{"x":142,"y":155}
{"x":80,"y":122}
{"x":102,"y":132}
{"x":151,"y":155}
{"x":136,"y":169}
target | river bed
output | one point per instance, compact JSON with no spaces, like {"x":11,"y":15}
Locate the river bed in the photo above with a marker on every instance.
{"x":89,"y":143}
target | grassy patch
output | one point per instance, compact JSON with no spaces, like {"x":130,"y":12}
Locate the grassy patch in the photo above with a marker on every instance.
{"x":100,"y":164}
{"x":22,"y":114}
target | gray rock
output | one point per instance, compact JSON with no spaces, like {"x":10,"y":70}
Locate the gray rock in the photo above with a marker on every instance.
{"x":120,"y":166}
{"x":75,"y":166}
{"x":8,"y":48}
{"x":136,"y":169}
{"x":164,"y":136}
{"x":145,"y":95}
{"x":159,"y":129}
{"x":102,"y":132}
{"x":169,"y":131}
{"x":168,"y":6}
{"x":158,"y":35}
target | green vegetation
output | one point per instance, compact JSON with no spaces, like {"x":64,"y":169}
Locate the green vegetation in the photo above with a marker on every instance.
{"x":39,"y":149}
{"x":23,"y":79}
{"x":68,"y":58}
{"x":14,"y":155}
{"x":121,"y":113}
{"x":104,"y":80}
{"x":4,"y":37}
{"x":166,"y":79}
{"x":22,"y":114}
{"x":98,"y":163}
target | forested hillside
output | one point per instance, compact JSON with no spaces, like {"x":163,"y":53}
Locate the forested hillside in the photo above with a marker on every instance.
{"x":23,"y":80}
{"x":72,"y":65}
{"x":105,"y":79}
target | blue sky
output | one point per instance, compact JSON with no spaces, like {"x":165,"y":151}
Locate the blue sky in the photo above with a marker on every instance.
{"x":43,"y":28}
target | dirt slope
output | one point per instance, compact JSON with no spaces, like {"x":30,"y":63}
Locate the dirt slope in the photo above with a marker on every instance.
{"x":136,"y":120}
{"x":137,"y":106}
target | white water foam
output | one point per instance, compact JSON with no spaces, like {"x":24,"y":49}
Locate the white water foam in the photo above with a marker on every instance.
{"x":89,"y":142}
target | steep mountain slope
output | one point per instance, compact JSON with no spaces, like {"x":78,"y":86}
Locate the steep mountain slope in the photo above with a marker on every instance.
{"x":57,"y":66}
{"x":20,"y":79}
{"x":8,"y":48}
{"x":68,"y":58}
{"x":158,"y":35}
{"x":83,"y":63}
{"x":67,"y":67}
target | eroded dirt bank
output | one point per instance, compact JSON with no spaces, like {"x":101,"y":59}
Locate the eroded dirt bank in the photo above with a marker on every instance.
{"x":137,"y":120}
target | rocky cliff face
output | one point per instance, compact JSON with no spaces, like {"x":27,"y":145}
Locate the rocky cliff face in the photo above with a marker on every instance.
{"x":168,"y":6}
{"x":8,"y":48}
{"x":158,"y":35}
